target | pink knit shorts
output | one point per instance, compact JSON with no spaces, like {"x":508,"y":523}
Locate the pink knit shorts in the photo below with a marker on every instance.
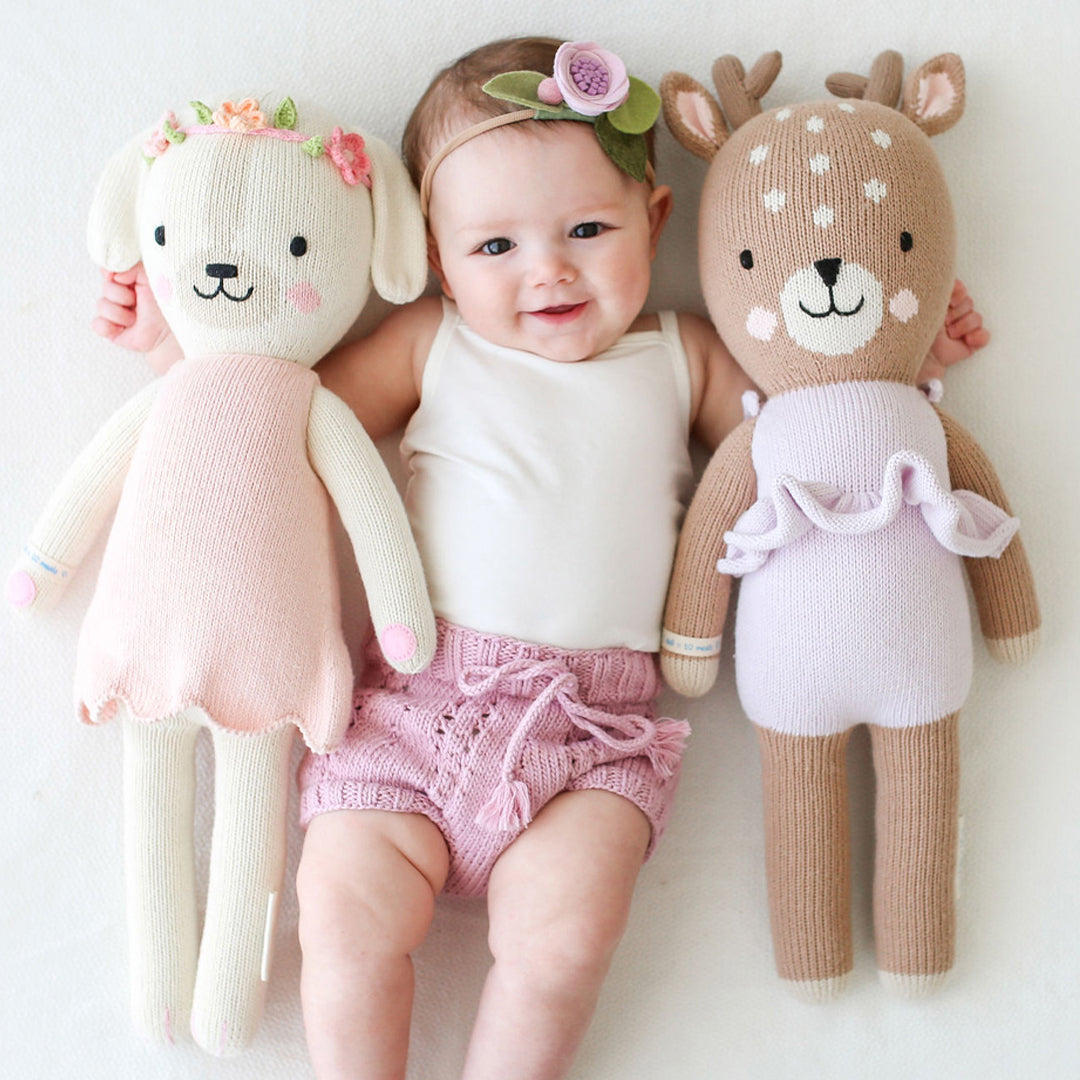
{"x":490,"y":732}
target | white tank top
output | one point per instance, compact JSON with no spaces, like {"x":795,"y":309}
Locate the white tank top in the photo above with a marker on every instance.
{"x":545,"y":497}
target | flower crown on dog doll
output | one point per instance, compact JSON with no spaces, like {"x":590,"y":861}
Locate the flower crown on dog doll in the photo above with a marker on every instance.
{"x":589,"y":84}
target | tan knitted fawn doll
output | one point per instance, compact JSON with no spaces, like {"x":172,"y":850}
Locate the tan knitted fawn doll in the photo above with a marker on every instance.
{"x":217,"y":602}
{"x":847,"y":502}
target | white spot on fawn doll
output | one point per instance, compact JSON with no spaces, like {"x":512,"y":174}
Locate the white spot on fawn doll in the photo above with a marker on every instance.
{"x":783,"y":114}
{"x":761,"y":324}
{"x":904,"y":305}
{"x":846,"y":107}
{"x":758,"y":154}
{"x":774,"y":200}
{"x":882,"y":138}
{"x":815,"y":124}
{"x":823,"y":217}
{"x":875,"y":189}
{"x":819,"y":164}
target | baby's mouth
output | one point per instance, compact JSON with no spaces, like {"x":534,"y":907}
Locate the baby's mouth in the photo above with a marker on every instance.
{"x":559,"y":313}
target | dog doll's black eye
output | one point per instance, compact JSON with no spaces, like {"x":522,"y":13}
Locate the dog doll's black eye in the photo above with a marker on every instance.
{"x":159,"y":236}
{"x":746,"y":259}
{"x":907,"y":241}
{"x":297,"y":246}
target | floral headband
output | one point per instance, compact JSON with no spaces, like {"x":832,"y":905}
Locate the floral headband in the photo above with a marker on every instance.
{"x":589,"y":84}
{"x":345,"y":150}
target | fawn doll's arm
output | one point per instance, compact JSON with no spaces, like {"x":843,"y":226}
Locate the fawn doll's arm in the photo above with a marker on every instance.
{"x":698,"y":595}
{"x":1004,"y":589}
{"x":348,"y":464}
{"x":78,"y":508}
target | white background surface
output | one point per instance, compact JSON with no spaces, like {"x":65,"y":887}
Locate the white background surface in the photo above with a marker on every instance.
{"x":692,"y":993}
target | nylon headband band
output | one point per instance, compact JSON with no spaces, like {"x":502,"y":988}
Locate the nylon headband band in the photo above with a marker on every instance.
{"x":470,"y":133}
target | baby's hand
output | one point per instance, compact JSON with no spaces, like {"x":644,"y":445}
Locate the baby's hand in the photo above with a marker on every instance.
{"x":962,"y":335}
{"x":127,"y":313}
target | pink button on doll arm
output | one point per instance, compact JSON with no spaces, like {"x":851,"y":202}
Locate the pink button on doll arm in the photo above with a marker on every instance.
{"x":348,"y":463}
{"x":78,"y":509}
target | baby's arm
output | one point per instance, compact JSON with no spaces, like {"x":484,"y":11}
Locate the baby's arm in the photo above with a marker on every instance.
{"x":127,"y":314}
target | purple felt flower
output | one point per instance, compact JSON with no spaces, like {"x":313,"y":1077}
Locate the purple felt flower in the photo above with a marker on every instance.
{"x":592,"y":80}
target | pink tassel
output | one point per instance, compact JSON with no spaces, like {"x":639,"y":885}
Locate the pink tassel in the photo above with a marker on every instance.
{"x":509,"y":807}
{"x":665,"y":751}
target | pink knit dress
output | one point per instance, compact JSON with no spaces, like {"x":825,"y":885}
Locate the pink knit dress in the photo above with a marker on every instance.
{"x":218,"y":586}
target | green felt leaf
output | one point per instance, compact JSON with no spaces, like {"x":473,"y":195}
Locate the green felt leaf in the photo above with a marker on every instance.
{"x":203,"y":112}
{"x":628,"y":152}
{"x":285,"y":115}
{"x":518,"y":87}
{"x":547,"y":112}
{"x":639,"y":111}
{"x":314,"y":146}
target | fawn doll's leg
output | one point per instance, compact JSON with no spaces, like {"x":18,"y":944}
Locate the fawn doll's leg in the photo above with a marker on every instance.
{"x":367,"y":885}
{"x":808,"y":860}
{"x":159,"y":803}
{"x":558,"y":900}
{"x":918,"y":775}
{"x":247,"y":864}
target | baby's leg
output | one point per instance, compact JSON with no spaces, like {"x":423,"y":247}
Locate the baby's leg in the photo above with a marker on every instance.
{"x":367,"y":885}
{"x":558,"y":901}
{"x":807,"y":850}
{"x":918,"y":776}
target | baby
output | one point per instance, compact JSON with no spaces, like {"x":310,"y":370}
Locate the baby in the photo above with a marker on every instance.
{"x":545,"y":493}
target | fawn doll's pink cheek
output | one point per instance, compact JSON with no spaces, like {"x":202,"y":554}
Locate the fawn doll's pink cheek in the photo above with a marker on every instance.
{"x":163,"y":289}
{"x":904,"y":305}
{"x":303,"y":297}
{"x":761,"y":324}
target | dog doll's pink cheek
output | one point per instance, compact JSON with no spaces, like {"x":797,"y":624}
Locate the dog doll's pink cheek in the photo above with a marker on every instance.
{"x":163,"y":289}
{"x":304,"y":298}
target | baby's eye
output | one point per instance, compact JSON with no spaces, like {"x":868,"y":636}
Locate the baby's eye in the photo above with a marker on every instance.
{"x":499,"y":246}
{"x":586,"y":230}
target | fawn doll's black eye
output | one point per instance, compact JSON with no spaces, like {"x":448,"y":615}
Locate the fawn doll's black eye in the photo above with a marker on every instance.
{"x":746,"y":259}
{"x":907,"y":241}
{"x":297,"y":246}
{"x":159,"y":236}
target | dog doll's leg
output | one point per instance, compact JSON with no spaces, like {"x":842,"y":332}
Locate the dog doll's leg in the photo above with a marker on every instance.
{"x":159,"y":801}
{"x":247,"y":865}
{"x":808,"y":863}
{"x":918,"y":774}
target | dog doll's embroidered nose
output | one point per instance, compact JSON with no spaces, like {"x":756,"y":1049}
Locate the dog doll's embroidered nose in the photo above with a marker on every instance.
{"x":828,"y":270}
{"x":223,"y":270}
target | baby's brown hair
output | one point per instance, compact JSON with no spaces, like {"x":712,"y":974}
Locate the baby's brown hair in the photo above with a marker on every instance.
{"x":455,"y":98}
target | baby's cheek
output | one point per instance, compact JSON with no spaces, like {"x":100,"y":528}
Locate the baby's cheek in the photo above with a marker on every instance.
{"x":304,"y":297}
{"x":163,"y":289}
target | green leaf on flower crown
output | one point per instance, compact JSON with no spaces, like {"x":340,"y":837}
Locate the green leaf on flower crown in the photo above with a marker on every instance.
{"x":562,"y":112}
{"x":171,"y":133}
{"x":203,"y":112}
{"x":639,"y":111}
{"x":518,"y":87}
{"x":285,"y":115}
{"x":628,"y":152}
{"x":314,"y":146}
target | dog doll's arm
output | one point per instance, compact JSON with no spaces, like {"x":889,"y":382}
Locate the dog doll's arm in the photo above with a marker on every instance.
{"x":1004,"y":589}
{"x":698,"y":595}
{"x":348,"y":463}
{"x":78,"y":508}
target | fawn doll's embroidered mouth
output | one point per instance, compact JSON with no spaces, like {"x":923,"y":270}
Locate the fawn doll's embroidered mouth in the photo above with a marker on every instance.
{"x":833,"y":309}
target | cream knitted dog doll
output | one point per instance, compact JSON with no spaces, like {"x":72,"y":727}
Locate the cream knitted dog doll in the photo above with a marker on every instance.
{"x":847,"y":502}
{"x":217,"y":603}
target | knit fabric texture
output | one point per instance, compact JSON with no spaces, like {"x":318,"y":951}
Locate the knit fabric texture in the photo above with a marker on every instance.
{"x":491,"y":731}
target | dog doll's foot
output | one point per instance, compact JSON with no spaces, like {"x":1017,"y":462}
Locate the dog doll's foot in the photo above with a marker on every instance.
{"x":913,"y":987}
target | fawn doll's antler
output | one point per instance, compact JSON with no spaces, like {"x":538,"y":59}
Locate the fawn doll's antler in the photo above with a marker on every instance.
{"x":740,"y":94}
{"x":882,"y":86}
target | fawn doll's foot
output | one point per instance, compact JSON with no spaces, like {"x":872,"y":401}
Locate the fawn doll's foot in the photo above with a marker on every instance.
{"x":817,"y":991}
{"x":913,"y":987}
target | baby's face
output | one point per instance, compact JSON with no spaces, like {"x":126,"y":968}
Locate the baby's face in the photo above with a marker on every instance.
{"x":542,"y":242}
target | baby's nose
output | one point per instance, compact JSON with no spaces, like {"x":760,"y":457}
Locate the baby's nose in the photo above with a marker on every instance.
{"x":552,"y":267}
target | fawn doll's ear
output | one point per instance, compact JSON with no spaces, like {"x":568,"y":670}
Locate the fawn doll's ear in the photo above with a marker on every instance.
{"x":399,"y":256}
{"x":692,"y":115}
{"x":112,"y":234}
{"x":934,"y":94}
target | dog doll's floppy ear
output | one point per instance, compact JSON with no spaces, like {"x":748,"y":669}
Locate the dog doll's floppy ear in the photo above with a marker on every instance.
{"x":399,"y":257}
{"x":934,"y":94}
{"x":112,"y":235}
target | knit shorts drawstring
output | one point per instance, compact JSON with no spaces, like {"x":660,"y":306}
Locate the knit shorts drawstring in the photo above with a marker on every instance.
{"x":629,"y":735}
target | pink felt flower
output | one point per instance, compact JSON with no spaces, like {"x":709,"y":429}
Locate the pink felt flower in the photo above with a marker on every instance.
{"x":592,"y":80}
{"x":243,"y":117}
{"x":158,"y":142}
{"x":347,"y":153}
